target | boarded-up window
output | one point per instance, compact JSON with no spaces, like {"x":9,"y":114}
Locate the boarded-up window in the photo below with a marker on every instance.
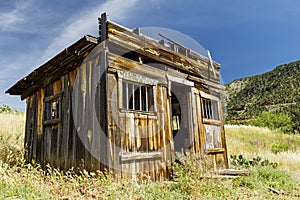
{"x":212,"y":137}
{"x":210,"y":109}
{"x":137,"y":97}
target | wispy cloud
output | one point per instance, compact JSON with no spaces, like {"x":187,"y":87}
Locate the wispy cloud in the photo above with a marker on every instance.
{"x":15,"y":16}
{"x":28,"y":28}
{"x":86,"y":23}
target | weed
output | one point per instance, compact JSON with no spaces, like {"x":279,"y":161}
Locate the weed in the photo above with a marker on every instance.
{"x":279,"y":147}
{"x":241,"y":162}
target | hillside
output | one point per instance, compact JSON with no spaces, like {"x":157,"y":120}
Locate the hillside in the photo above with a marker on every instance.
{"x":277,"y":91}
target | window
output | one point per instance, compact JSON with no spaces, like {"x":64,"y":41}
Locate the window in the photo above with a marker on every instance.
{"x":137,"y":97}
{"x":210,"y":109}
{"x":52,"y":109}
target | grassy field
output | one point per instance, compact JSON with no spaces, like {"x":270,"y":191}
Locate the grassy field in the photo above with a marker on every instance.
{"x":20,"y":180}
{"x":255,"y":141}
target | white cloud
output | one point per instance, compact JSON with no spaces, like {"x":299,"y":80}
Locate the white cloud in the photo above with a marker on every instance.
{"x":10,"y":19}
{"x":86,"y":23}
{"x":28,"y":17}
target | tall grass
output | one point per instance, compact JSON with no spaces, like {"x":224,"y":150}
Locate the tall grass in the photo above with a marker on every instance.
{"x":12,"y":127}
{"x":22,"y":180}
{"x":251,"y":141}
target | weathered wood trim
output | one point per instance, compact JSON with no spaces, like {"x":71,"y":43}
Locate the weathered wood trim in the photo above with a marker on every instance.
{"x":209,"y":96}
{"x":179,"y":80}
{"x":35,"y":127}
{"x":160,"y":56}
{"x":136,"y":78}
{"x":116,"y":62}
{"x":215,"y":151}
{"x":150,"y":114}
{"x":145,"y":45}
{"x":212,"y":122}
{"x":206,"y":82}
{"x":224,"y":145}
{"x":53,"y":97}
{"x":40,"y":115}
{"x":190,"y":121}
{"x":200,"y":125}
{"x":140,"y":156}
{"x":52,"y":121}
{"x":103,"y":104}
{"x":66,"y":112}
{"x":195,"y":115}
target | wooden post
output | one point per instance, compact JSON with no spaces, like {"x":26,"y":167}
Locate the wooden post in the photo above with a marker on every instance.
{"x":103,"y":87}
{"x":103,"y":27}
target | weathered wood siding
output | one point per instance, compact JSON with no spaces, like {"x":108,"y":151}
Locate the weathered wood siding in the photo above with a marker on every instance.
{"x":140,"y":142}
{"x":213,"y":150}
{"x":133,"y":144}
{"x":59,"y":143}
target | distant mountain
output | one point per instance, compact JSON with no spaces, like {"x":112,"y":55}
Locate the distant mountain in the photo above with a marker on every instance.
{"x":277,"y":91}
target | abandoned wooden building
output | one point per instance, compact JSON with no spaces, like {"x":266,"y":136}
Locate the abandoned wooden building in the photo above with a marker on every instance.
{"x":150,"y":100}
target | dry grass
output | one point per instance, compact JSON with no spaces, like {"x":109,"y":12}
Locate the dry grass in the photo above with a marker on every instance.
{"x":12,"y":127}
{"x":252,"y":141}
{"x":21,"y":180}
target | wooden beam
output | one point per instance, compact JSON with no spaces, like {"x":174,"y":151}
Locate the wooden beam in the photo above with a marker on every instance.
{"x":233,"y":172}
{"x":215,"y":151}
{"x":140,"y":156}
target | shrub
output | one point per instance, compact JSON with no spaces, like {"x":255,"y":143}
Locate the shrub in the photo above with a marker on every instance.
{"x":5,"y":109}
{"x":266,"y":176}
{"x":274,"y":121}
{"x":275,"y":178}
{"x":279,"y":147}
{"x":241,"y":162}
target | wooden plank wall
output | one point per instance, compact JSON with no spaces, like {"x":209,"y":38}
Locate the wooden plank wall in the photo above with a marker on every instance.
{"x":140,"y":144}
{"x":59,"y":143}
{"x":137,"y":144}
{"x":128,"y":132}
{"x":209,"y":135}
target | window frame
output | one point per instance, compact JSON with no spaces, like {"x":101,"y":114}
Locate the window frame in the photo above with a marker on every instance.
{"x":215,"y":118}
{"x":49,"y":100}
{"x":138,"y":80}
{"x":210,"y":109}
{"x":135,"y":98}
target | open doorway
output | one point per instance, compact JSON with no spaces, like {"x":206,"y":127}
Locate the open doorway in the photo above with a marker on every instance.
{"x":180,"y":116}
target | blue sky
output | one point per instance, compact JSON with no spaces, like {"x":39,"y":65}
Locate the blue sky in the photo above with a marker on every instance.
{"x":246,"y":37}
